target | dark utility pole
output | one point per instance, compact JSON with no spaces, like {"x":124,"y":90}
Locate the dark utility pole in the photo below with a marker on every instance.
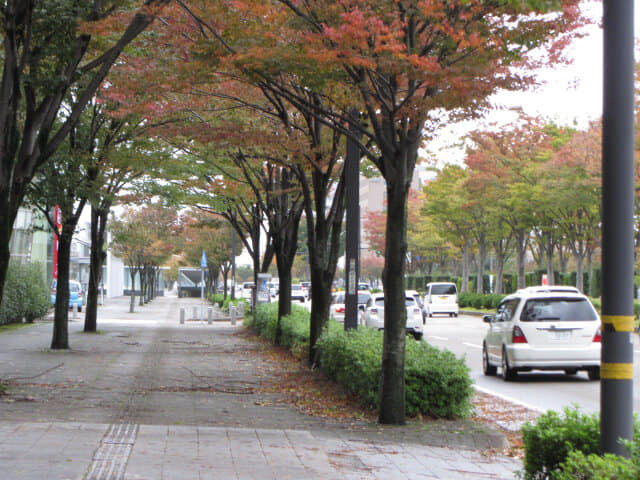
{"x":616,"y":390}
{"x":352,"y":249}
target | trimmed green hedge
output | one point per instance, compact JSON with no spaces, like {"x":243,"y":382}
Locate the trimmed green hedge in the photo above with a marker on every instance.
{"x":552,"y":442}
{"x":437,"y":383}
{"x":26,"y":294}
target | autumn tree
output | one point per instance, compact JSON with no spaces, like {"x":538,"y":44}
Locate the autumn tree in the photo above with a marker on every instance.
{"x":44,"y":56}
{"x":401,"y":68}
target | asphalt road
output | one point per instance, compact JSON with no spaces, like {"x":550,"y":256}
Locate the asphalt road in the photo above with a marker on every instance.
{"x":537,"y":389}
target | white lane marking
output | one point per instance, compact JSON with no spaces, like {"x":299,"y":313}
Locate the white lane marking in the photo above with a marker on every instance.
{"x":472,"y":345}
{"x":508,"y":398}
{"x":438,"y":338}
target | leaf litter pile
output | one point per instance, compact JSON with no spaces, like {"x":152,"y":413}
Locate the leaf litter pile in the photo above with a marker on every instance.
{"x":314,"y":394}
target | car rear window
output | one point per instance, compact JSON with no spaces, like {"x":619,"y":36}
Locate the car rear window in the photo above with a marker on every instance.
{"x":558,"y":309}
{"x":443,"y":289}
{"x":363,"y":297}
{"x":73,"y":287}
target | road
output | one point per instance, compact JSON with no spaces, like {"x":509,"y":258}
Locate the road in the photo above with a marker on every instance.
{"x":539,"y":390}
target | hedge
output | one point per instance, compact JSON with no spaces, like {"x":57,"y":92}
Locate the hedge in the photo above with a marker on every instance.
{"x":549,"y":444}
{"x":26,"y":294}
{"x":437,"y":383}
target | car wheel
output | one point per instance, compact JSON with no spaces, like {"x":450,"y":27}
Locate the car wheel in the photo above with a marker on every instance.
{"x":594,"y":373}
{"x":508,"y":373}
{"x":430,"y":315}
{"x":487,"y":368}
{"x":417,"y":336}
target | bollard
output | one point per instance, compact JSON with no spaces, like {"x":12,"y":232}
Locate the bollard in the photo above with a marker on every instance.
{"x":241,"y":310}
{"x":195,"y":313}
{"x":74,"y":310}
{"x":181,"y":315}
{"x":232,"y":310}
{"x":209,"y":315}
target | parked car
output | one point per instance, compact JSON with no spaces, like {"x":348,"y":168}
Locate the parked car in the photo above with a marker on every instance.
{"x":76,"y":294}
{"x":441,"y":297}
{"x":542,"y":330}
{"x":416,"y":295}
{"x":337,"y":308}
{"x":247,"y":290}
{"x":298,"y":293}
{"x":373,"y":315}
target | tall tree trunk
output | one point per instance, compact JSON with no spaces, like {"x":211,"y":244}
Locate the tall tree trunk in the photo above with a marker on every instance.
{"x":521,"y":250}
{"x":324,"y":227}
{"x":550,"y":246}
{"x":482,"y":257}
{"x":60,"y":337}
{"x":392,"y":392}
{"x":97,"y":259}
{"x":466,"y":267}
{"x":132,"y":274}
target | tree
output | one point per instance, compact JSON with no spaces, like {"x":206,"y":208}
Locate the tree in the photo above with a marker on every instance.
{"x":62,"y":183}
{"x":144,"y":238}
{"x":408,"y":64}
{"x":402,"y":67}
{"x":44,"y":56}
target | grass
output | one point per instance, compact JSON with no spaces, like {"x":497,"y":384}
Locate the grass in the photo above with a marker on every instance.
{"x":13,"y":326}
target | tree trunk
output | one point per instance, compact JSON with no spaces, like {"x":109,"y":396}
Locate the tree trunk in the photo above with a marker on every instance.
{"x":482,"y":257}
{"x":60,"y":338}
{"x":521,"y":249}
{"x":98,"y":257}
{"x":466,"y":268}
{"x":392,"y":392}
{"x":132,"y":273}
{"x":550,"y":246}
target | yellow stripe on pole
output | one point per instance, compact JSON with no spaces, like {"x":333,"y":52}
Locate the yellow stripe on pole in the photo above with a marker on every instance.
{"x":616,"y":371}
{"x":621,"y":323}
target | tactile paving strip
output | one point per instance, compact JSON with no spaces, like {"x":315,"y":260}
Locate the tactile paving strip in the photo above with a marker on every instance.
{"x":110,"y":460}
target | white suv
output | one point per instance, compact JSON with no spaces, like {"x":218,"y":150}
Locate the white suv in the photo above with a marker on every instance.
{"x":538,"y":329}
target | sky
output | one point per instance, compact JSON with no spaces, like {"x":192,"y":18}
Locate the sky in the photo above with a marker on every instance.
{"x":571,"y":95}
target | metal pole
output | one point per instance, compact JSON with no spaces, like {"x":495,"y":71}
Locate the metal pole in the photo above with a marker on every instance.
{"x":616,"y":391}
{"x":352,"y":250}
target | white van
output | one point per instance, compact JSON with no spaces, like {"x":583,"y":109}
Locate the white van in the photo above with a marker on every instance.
{"x":441,"y":297}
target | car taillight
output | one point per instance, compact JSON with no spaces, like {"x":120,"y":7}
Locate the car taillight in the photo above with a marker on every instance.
{"x":518,"y":336}
{"x":339,"y":309}
{"x":598,"y":336}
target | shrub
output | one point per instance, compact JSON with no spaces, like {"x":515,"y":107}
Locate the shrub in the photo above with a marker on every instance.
{"x":550,"y":441}
{"x":579,"y":466}
{"x":26,"y":294}
{"x":437,"y":383}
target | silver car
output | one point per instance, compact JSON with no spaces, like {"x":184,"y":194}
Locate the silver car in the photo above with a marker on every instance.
{"x":373,"y":315}
{"x":543,"y":330}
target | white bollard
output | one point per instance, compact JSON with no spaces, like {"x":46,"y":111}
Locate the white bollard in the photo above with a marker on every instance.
{"x":209,"y":315}
{"x":195,"y":313}
{"x":232,"y":311}
{"x":74,"y":311}
{"x":241,"y":310}
{"x":181,"y":315}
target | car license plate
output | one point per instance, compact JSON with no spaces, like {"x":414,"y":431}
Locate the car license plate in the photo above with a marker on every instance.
{"x":562,"y":334}
{"x":443,"y":298}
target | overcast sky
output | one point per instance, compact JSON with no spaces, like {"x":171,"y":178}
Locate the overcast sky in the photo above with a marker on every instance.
{"x":571,"y":95}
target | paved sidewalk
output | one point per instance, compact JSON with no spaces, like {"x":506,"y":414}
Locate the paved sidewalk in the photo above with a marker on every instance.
{"x":150,"y":398}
